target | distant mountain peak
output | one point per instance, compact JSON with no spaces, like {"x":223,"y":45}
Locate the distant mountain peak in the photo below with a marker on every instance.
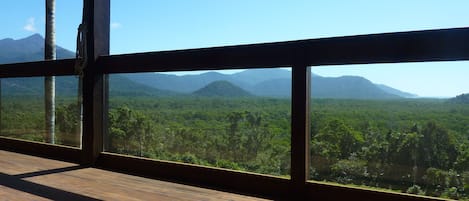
{"x":6,"y":40}
{"x":258,"y":75}
{"x":211,"y":73}
{"x":34,"y":37}
{"x":222,"y":88}
{"x":27,"y":49}
{"x":463,"y":98}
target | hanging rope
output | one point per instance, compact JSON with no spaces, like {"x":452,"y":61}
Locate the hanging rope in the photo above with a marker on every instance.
{"x":81,"y":54}
{"x":81,"y":62}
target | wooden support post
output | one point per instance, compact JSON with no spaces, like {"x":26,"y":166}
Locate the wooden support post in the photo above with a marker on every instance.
{"x":96,"y":17}
{"x":300,"y":130}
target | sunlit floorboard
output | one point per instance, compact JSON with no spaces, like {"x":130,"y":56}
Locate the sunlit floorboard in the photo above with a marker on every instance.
{"x":24,"y":177}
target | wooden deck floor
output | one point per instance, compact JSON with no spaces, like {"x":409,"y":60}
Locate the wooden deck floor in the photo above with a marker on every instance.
{"x":24,"y":177}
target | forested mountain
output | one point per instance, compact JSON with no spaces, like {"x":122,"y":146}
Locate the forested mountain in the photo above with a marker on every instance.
{"x":67,"y":86}
{"x":122,"y":86}
{"x":273,"y":88}
{"x":182,"y":84}
{"x":190,"y":83}
{"x":345,"y":87}
{"x":27,"y":49}
{"x":463,"y":98}
{"x":396,"y":92}
{"x":255,"y":76}
{"x":222,"y":89}
{"x":273,"y":83}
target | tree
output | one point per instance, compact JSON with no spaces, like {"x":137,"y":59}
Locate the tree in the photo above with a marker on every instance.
{"x":256,"y":136}
{"x":130,"y":132}
{"x":410,"y":144}
{"x":438,"y":145}
{"x":49,"y":81}
{"x":67,"y":122}
{"x":235,"y":145}
{"x":336,"y":140}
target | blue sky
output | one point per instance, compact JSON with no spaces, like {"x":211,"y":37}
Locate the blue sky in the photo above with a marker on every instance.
{"x":152,"y":25}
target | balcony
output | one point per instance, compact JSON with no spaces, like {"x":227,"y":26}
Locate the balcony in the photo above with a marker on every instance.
{"x":426,"y":46}
{"x":93,"y":158}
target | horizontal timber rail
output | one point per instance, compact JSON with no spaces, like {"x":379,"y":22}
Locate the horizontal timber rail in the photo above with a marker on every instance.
{"x":414,"y":46}
{"x":38,"y":68}
{"x":327,"y":191}
{"x":208,"y":177}
{"x":58,"y":152}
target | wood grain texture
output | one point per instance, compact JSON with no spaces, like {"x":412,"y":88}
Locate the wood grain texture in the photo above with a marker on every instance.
{"x":24,"y":177}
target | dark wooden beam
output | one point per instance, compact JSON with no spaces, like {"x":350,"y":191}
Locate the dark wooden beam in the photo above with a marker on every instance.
{"x":215,"y":178}
{"x":415,"y":46}
{"x":46,"y":150}
{"x":40,"y":68}
{"x":96,"y":17}
{"x":325,"y":191}
{"x":301,"y":76}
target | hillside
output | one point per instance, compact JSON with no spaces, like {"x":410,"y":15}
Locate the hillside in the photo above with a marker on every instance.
{"x":273,"y":83}
{"x":64,"y":86}
{"x":255,"y":76}
{"x":345,"y":87}
{"x":185,"y":83}
{"x":221,"y":89}
{"x":67,"y":86}
{"x":463,"y":98}
{"x":27,"y":49}
{"x":32,"y":49}
{"x":122,"y":86}
{"x":273,"y":88}
{"x":396,"y":92}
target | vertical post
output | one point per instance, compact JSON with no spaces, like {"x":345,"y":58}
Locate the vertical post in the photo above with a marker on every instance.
{"x":79,"y":129}
{"x":96,"y":16}
{"x":105,"y":113}
{"x":300,"y":126}
{"x":0,"y":107}
{"x":49,"y":81}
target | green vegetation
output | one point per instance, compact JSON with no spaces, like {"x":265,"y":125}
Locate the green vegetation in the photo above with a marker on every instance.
{"x":414,"y":146}
{"x":23,"y":118}
{"x":250,"y":134}
{"x":418,"y":146}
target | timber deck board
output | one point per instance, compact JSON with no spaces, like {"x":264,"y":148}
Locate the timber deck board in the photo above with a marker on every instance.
{"x":25,"y":177}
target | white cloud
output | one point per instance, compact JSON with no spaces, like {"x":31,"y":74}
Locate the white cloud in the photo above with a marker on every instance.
{"x":30,"y":25}
{"x":116,"y":25}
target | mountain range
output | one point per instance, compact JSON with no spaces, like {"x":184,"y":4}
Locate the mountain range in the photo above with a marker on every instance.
{"x":273,"y":82}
